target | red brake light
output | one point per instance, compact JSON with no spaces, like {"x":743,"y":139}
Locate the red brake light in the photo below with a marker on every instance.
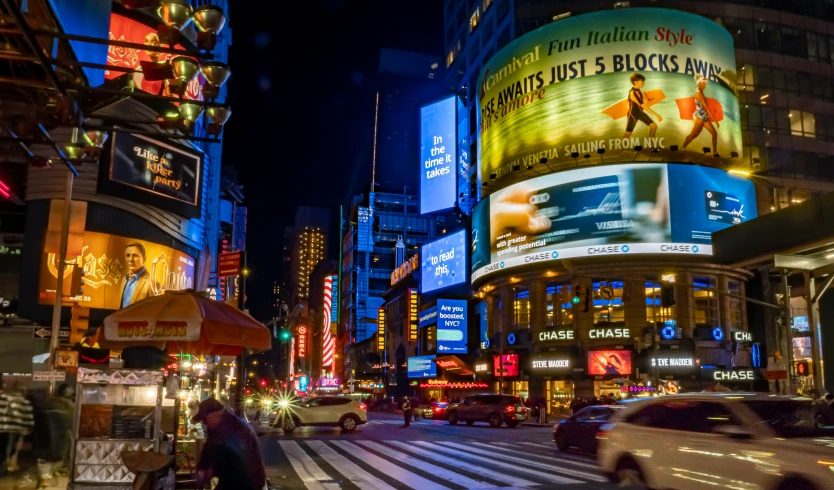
{"x":436,"y":409}
{"x":510,"y":408}
{"x":362,"y":406}
{"x":603,"y":434}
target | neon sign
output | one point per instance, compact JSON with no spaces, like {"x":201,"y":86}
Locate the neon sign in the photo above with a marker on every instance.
{"x":455,"y":385}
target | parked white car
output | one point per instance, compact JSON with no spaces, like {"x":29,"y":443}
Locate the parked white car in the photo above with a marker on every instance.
{"x":727,"y":440}
{"x":333,"y":411}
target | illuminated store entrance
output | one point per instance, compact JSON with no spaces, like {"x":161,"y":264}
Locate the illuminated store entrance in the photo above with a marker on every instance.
{"x":517,"y":388}
{"x":559,"y":395}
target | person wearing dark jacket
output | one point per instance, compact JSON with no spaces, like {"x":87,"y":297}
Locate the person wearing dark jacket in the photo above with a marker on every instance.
{"x":231,"y":452}
{"x":53,"y":435}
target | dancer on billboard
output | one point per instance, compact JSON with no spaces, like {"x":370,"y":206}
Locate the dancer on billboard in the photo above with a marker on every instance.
{"x":703,"y":117}
{"x":638,"y":107}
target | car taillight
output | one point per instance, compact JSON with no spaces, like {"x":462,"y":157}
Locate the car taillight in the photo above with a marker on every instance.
{"x":603,"y":434}
{"x":436,"y":409}
{"x":362,"y":406}
{"x":510,"y":408}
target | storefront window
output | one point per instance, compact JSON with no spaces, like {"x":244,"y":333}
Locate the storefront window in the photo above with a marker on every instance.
{"x":704,"y":302}
{"x":608,"y":303}
{"x":559,"y":307}
{"x":517,"y":388}
{"x":559,"y":395}
{"x":734,"y":306}
{"x":521,"y":307}
{"x":655,"y":312}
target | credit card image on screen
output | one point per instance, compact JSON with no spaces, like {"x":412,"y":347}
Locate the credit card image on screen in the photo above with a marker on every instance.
{"x":604,"y":362}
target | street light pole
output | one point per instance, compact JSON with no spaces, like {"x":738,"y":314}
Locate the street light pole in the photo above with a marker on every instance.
{"x":54,"y":341}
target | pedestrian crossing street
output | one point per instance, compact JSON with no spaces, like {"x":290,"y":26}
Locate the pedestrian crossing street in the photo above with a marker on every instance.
{"x":427,"y":465}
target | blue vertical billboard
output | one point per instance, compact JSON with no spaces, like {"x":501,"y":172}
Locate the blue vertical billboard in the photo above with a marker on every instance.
{"x":451,"y":326}
{"x":438,"y":156}
{"x":443,"y":262}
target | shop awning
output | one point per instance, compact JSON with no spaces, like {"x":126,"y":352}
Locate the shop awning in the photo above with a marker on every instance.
{"x":184,"y":321}
{"x":453,"y":364}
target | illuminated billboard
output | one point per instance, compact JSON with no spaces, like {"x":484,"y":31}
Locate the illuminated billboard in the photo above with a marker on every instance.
{"x":443,"y":262}
{"x":119,"y":271}
{"x":506,"y":365}
{"x":452,"y":330}
{"x":602,"y":362}
{"x":438,"y":156}
{"x":421,"y":367}
{"x":646,"y":208}
{"x":610,"y":81}
{"x":163,"y":174}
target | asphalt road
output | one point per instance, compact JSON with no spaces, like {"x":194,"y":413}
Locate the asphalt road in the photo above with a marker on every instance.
{"x":427,"y":455}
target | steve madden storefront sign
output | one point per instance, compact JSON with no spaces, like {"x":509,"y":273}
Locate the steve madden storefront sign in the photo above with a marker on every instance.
{"x":556,"y":335}
{"x":684,"y":362}
{"x":609,"y":333}
{"x":550,"y":363}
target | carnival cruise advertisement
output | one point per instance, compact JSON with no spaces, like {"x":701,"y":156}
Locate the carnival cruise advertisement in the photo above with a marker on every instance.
{"x":608,"y":210}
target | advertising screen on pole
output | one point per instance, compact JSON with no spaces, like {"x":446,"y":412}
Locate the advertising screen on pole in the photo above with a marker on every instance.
{"x":452,"y":329}
{"x":108,"y":262}
{"x":421,"y":367}
{"x":443,"y":262}
{"x":438,"y":156}
{"x":646,"y":208}
{"x":506,"y":365}
{"x":602,"y":362}
{"x":610,"y":80}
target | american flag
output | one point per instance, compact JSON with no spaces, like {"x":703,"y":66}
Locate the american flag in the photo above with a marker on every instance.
{"x":328,"y":342}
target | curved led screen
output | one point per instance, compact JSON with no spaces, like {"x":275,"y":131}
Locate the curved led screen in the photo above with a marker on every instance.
{"x":608,"y":82}
{"x":646,"y":208}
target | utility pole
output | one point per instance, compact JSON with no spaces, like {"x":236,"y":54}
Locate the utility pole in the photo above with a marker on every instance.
{"x":54,"y":341}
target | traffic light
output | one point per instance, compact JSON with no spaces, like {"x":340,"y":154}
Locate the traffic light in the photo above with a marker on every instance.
{"x":285,"y":334}
{"x":801,"y":368}
{"x":263,"y":382}
{"x":76,"y":281}
{"x":577,"y":291}
{"x":79,"y":323}
{"x":667,"y":295}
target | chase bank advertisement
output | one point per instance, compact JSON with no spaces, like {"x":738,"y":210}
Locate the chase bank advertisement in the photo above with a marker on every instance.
{"x":610,"y":81}
{"x":641,"y":208}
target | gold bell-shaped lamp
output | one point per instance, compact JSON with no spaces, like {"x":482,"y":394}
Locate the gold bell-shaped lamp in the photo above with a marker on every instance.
{"x":209,"y":21}
{"x":190,"y":112}
{"x":185,"y":69}
{"x":217,"y":116}
{"x":216,"y":74}
{"x":175,"y":15}
{"x":94,"y":141}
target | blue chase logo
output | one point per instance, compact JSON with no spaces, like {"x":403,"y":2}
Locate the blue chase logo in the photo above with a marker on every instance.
{"x":625,"y":249}
{"x":554,"y":255}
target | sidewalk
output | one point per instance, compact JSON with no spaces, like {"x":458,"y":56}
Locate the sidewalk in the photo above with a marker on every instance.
{"x":551,"y":420}
{"x":18,"y":482}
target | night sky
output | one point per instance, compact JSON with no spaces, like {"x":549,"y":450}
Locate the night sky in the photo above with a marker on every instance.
{"x":302,"y":96}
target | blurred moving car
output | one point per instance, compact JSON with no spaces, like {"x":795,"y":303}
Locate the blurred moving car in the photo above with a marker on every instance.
{"x":580,"y":430}
{"x":437,"y":410}
{"x":495,"y":409}
{"x":333,"y":411}
{"x":721,"y":440}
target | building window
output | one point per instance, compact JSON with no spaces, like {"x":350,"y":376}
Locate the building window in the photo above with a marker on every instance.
{"x":521,"y":307}
{"x":487,"y":4}
{"x":559,"y":307}
{"x":803,"y":123}
{"x":746,"y":77}
{"x":450,"y":58}
{"x":704,"y":302}
{"x":655,"y":312}
{"x":474,"y":20}
{"x":608,"y":311}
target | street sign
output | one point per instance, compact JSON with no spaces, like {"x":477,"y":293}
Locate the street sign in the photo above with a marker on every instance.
{"x":49,"y":376}
{"x":228,"y":264}
{"x":46,"y":333}
{"x":606,"y":292}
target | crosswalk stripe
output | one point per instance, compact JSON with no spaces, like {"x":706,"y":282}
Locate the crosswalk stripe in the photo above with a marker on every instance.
{"x":539,"y":444}
{"x":536,"y":464}
{"x":494,"y":462}
{"x":562,"y":455}
{"x":354,"y":473}
{"x":543,"y":456}
{"x":307,"y":469}
{"x":492,"y":475}
{"x":401,"y":475}
{"x":429,"y":468}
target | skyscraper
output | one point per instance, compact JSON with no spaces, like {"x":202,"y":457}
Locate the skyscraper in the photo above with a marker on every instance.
{"x":309,"y":247}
